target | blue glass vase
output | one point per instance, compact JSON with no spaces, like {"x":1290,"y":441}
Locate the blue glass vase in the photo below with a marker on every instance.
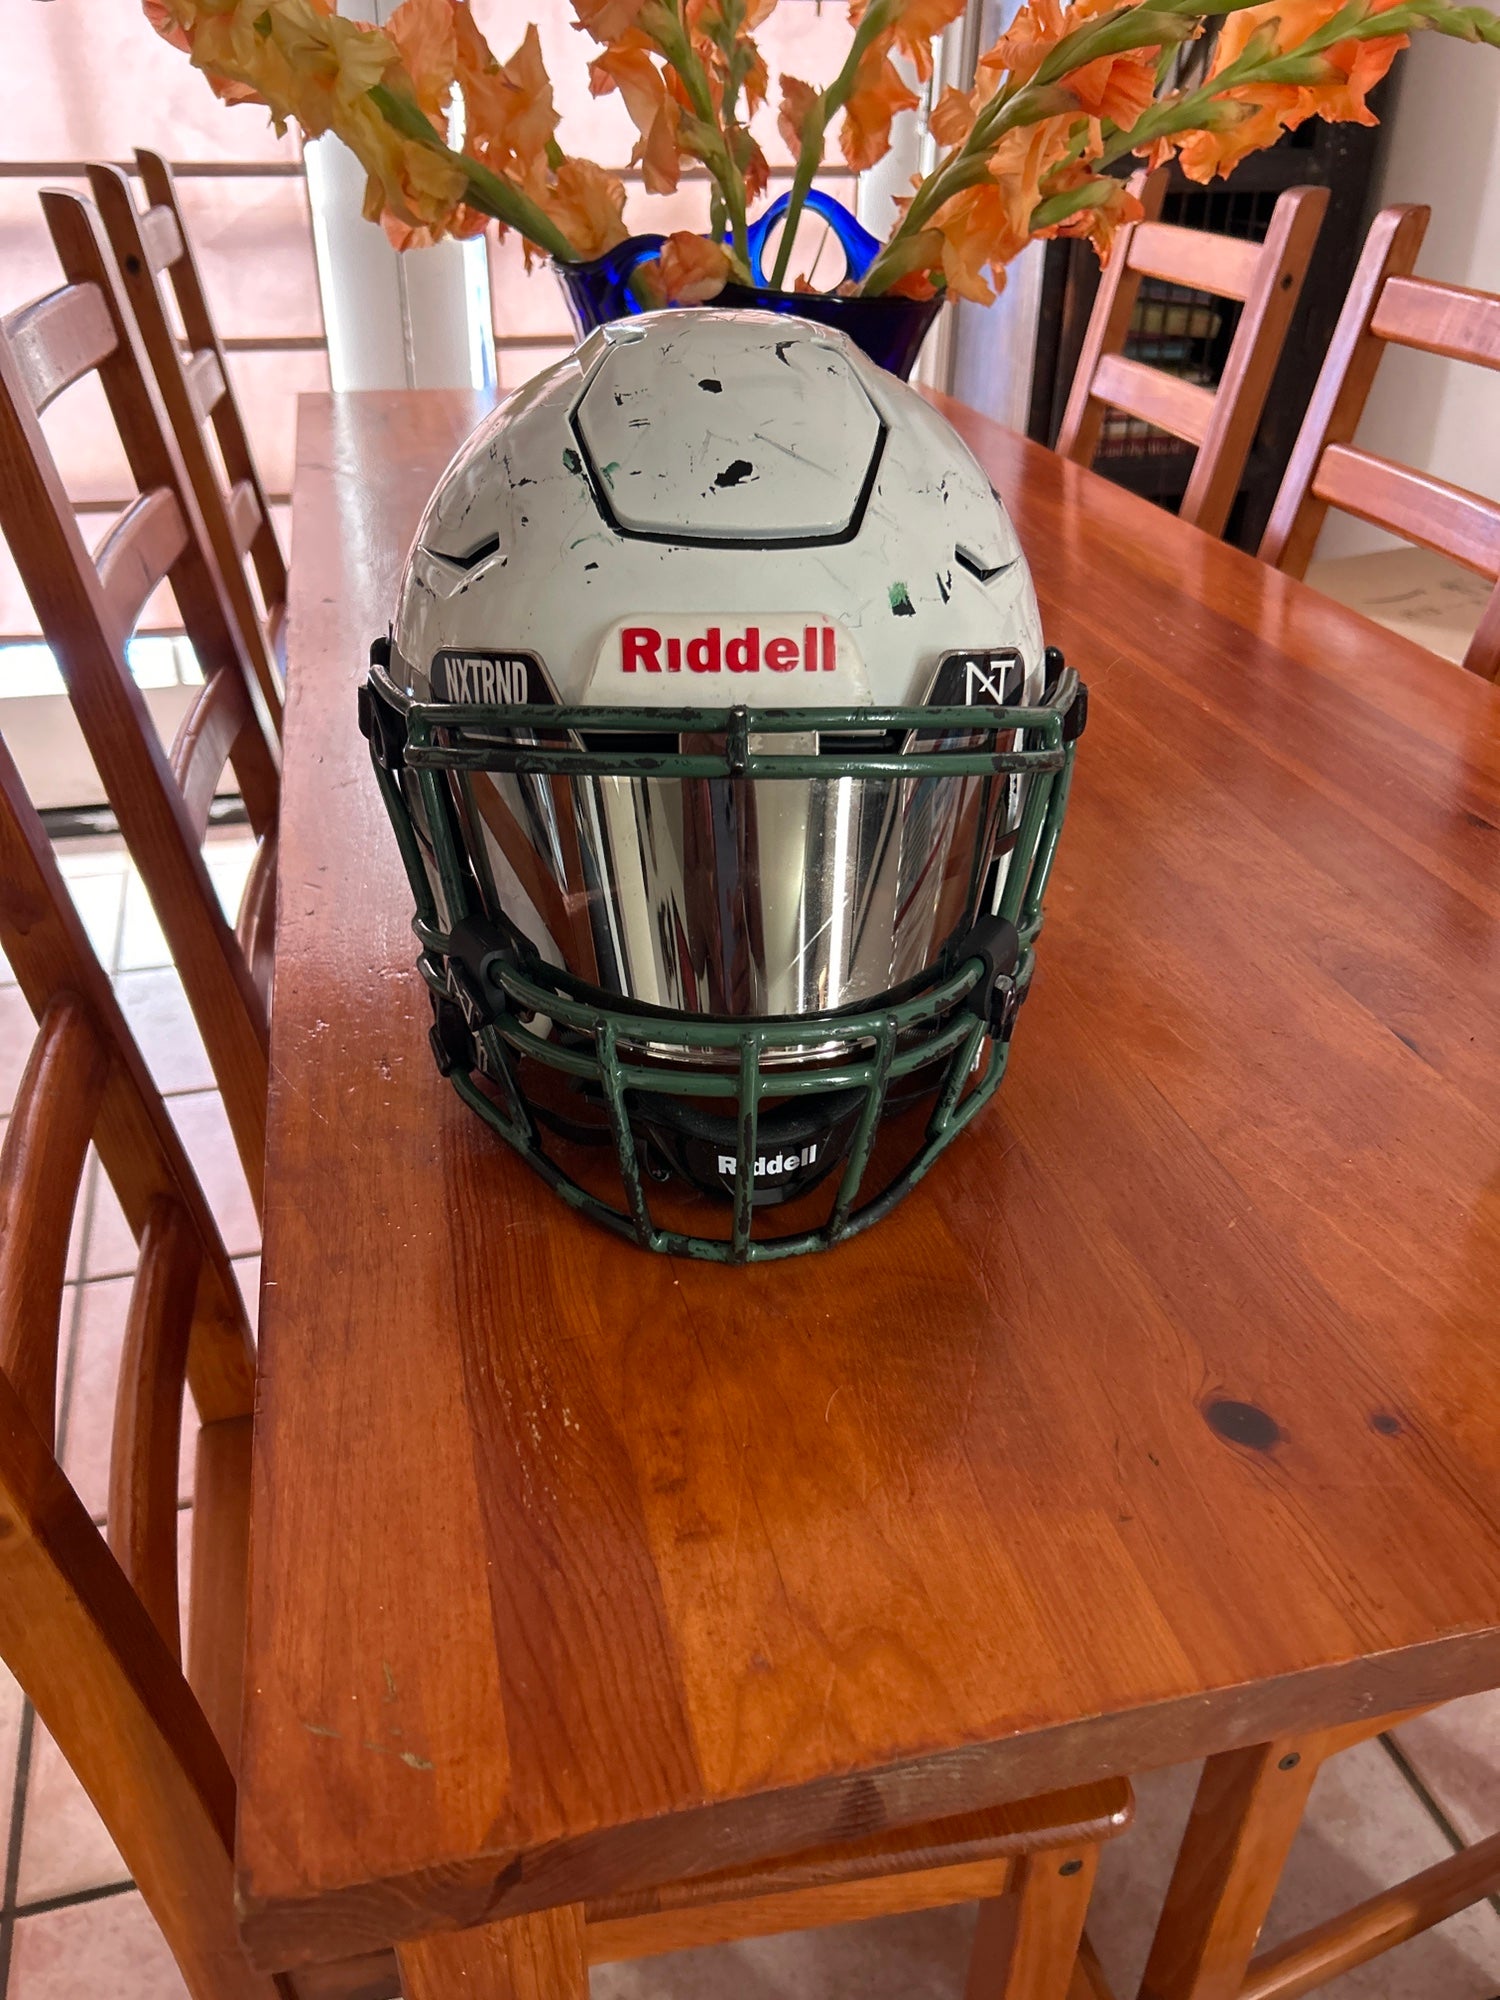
{"x":890,"y":331}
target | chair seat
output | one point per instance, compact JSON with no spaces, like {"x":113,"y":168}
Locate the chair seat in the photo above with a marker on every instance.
{"x":961,"y":1858}
{"x":1083,"y":1815}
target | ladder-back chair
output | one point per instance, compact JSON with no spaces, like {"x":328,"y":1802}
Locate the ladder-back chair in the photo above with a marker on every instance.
{"x":1387,"y":306}
{"x":88,"y":606}
{"x":152,"y":251}
{"x":1266,"y":278}
{"x":90,"y":1621}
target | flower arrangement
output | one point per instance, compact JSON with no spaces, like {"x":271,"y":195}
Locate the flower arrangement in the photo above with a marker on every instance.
{"x":452,"y":137}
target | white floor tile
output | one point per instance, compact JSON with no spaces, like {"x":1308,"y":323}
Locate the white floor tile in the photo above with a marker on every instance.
{"x":77,"y":858}
{"x":64,"y":1847}
{"x":1455,"y":1751}
{"x":142,"y":945}
{"x":107,"y":1950}
{"x":17,"y":1033}
{"x":229,"y":860}
{"x":204,"y":1129}
{"x":247,"y":1271}
{"x":157,"y":1014}
{"x":10,"y":1728}
{"x":97,"y":899}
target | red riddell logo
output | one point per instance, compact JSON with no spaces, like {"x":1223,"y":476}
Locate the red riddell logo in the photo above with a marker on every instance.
{"x":643,"y":650}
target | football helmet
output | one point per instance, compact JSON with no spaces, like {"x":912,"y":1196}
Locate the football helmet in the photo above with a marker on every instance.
{"x":728,"y":766}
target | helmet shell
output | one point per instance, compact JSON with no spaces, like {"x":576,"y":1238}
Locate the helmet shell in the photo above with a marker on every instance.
{"x":705,"y":468}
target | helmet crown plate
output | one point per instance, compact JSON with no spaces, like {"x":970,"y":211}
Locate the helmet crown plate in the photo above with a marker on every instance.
{"x":722,"y":438}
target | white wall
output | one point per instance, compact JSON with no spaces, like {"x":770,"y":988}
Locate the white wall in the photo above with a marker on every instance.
{"x":1442,"y":146}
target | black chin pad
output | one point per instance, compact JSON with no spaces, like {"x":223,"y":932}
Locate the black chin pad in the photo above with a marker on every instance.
{"x":798,"y":1141}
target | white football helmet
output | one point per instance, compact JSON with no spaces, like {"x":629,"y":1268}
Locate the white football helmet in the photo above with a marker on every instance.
{"x":728,"y":766}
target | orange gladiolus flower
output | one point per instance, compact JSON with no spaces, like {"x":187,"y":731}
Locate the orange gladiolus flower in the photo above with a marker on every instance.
{"x":986,"y":226}
{"x":1115,"y":87}
{"x":878,"y":94}
{"x":1116,"y":207}
{"x":693,"y":268}
{"x":797,"y":100}
{"x":508,"y":110}
{"x":1029,"y":40}
{"x":423,"y":31}
{"x":586,"y":203}
{"x":952,"y":117}
{"x":608,"y":21}
{"x":979,"y":228}
{"x":167,"y":24}
{"x":1259,"y":113}
{"x":653,"y":112}
{"x":914,"y":27}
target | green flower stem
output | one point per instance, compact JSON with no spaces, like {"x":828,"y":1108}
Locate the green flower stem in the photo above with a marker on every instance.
{"x":486,"y":191}
{"x":676,"y":45}
{"x":814,"y":132}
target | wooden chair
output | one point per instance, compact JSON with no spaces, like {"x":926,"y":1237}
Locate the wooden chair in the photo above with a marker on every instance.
{"x":151,"y":1724}
{"x":152,"y":251}
{"x":1387,"y":305}
{"x":91,"y":1629}
{"x":88,"y":606}
{"x":1245,"y":1816}
{"x":1267,"y":280}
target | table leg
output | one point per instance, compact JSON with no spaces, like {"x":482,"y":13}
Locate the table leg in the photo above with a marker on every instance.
{"x":1026,"y":1943}
{"x":535,"y":1957}
{"x":1246,"y":1813}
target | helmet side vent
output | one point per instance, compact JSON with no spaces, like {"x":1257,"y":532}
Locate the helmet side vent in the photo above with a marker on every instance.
{"x":471,"y":558}
{"x":976,"y":568}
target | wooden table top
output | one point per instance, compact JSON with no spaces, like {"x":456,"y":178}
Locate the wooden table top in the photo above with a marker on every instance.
{"x":1162,"y":1417}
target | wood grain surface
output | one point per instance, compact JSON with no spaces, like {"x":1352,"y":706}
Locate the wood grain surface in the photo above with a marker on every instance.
{"x":1161,"y":1419}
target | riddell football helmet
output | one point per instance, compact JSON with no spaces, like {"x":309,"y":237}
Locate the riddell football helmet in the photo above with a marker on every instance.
{"x":728,"y":767}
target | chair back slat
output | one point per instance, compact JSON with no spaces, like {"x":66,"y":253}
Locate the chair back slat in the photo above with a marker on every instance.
{"x":59,"y":339}
{"x":86,"y":618}
{"x":196,"y":389}
{"x":1265,"y":277}
{"x":244,"y":514}
{"x":122,"y":1714}
{"x":1449,"y":320}
{"x":1386,"y":305}
{"x":1169,"y":401}
{"x":41,"y":1167}
{"x":1200,"y":262}
{"x":205,"y":382}
{"x":160,"y":238}
{"x":257,"y":919}
{"x":148,"y":1413}
{"x":209,"y":732}
{"x":1413,"y":505}
{"x":137,"y":554}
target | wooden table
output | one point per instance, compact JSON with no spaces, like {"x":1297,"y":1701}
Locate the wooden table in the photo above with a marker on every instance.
{"x":1162,"y":1417}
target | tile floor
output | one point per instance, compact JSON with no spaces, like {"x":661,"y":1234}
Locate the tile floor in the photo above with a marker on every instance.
{"x":72,"y":1928}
